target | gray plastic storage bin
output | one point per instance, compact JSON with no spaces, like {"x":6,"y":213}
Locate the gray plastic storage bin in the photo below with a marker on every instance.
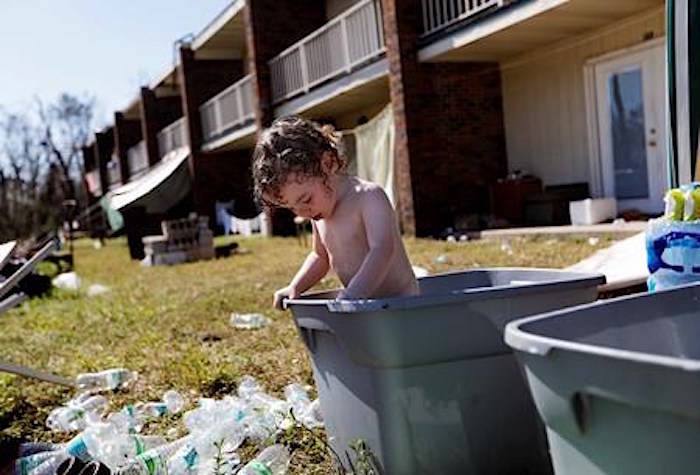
{"x":427,"y":381}
{"x":618,"y":383}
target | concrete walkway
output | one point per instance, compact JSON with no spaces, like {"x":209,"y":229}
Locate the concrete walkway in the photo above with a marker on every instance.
{"x":627,"y":227}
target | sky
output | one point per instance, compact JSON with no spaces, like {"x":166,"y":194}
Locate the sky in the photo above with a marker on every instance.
{"x":105,"y":48}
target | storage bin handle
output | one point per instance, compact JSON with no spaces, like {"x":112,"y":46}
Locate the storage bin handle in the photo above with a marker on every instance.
{"x":581,"y":406}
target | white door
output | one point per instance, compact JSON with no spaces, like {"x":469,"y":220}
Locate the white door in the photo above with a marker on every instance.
{"x":630,"y":92}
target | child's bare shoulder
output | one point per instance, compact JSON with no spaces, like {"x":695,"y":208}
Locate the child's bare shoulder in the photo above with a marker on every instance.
{"x":370,"y":194}
{"x":367,"y":188}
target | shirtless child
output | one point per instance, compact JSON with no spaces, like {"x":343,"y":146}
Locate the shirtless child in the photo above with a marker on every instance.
{"x":299,"y":165}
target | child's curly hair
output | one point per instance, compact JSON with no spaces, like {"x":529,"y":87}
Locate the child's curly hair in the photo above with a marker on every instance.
{"x":296,"y":145}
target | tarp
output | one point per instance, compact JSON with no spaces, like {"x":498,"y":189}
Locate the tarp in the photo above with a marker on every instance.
{"x":157,"y":190}
{"x":624,"y":261}
{"x":374,"y":151}
{"x":683,"y":72}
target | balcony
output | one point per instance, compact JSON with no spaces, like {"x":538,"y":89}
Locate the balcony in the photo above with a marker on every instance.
{"x":114,"y":174}
{"x":350,"y":40}
{"x":229,"y":110}
{"x":173,"y":137}
{"x":441,"y":14}
{"x":137,"y":158}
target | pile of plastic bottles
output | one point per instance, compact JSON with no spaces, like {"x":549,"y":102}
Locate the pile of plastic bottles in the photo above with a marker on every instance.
{"x":216,"y":429}
{"x":673,"y":241}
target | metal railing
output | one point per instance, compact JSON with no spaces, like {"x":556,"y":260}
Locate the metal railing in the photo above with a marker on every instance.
{"x":230,"y":108}
{"x":172,"y":137}
{"x":439,"y":14}
{"x":352,"y":38}
{"x":137,"y":158}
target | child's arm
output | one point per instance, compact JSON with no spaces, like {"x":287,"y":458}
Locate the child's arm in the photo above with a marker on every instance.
{"x":378,"y":217}
{"x":314,"y":268}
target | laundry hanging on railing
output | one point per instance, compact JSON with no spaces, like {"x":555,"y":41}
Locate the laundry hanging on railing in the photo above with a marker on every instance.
{"x":371,"y":156}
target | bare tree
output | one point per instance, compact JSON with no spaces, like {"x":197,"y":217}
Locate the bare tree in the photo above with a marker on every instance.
{"x":67,"y":126}
{"x":22,"y":149}
{"x":40,"y":163}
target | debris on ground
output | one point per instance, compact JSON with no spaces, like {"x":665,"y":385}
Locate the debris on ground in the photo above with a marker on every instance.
{"x":110,"y":379}
{"x":67,"y":281}
{"x":248,"y":321}
{"x":97,"y":289}
{"x":443,"y":259}
{"x":216,"y":429}
{"x":505,"y":247}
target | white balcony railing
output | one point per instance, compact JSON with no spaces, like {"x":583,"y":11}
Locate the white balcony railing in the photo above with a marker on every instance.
{"x":114,"y":174}
{"x":172,"y":137}
{"x":230,"y":108}
{"x":137,"y":158}
{"x":352,"y":38}
{"x":439,"y":14}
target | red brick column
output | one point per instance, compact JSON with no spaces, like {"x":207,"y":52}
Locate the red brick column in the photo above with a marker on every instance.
{"x":104,"y":147}
{"x":127,"y":133}
{"x":450,"y":140}
{"x":271,"y":27}
{"x":156,"y":113}
{"x":215,"y":176}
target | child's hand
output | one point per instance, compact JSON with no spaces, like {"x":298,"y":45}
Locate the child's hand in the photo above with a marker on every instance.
{"x":288,"y":292}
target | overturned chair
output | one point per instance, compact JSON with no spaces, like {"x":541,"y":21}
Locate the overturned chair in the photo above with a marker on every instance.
{"x":9,"y":300}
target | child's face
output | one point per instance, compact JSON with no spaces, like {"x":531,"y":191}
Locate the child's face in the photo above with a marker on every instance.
{"x":308,"y":197}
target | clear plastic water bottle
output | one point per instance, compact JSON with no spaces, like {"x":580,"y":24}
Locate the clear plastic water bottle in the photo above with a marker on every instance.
{"x":24,"y":465}
{"x":296,"y":395}
{"x":75,"y":447}
{"x":271,"y":461}
{"x":305,"y":411}
{"x":107,"y":380}
{"x":184,"y":462}
{"x":247,"y":386}
{"x":114,"y":448}
{"x":73,"y":416}
{"x":172,"y":403}
{"x":153,"y":461}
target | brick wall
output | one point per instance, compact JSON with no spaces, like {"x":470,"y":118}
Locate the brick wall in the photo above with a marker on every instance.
{"x":89,"y":159}
{"x":127,"y":133}
{"x":104,"y":147}
{"x":271,"y":27}
{"x":450,"y":141}
{"x":223,"y":176}
{"x":201,"y":80}
{"x":156,"y":113}
{"x":216,"y":176}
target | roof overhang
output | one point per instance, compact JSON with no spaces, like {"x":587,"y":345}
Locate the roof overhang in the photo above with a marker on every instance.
{"x":525,"y":26}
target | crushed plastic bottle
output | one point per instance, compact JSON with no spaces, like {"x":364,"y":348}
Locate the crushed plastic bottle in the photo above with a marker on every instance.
{"x":247,"y":386}
{"x":74,"y":416}
{"x":106,"y":443}
{"x":248,"y":321}
{"x":153,"y":461}
{"x":134,"y":415}
{"x":110,"y":379}
{"x":305,"y":411}
{"x":48,"y":463}
{"x":274,"y":460}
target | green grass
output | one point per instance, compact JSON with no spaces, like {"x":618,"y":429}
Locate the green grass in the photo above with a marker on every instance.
{"x":171,"y":325}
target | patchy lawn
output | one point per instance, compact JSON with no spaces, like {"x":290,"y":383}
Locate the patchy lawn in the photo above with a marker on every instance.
{"x":171,"y":325}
